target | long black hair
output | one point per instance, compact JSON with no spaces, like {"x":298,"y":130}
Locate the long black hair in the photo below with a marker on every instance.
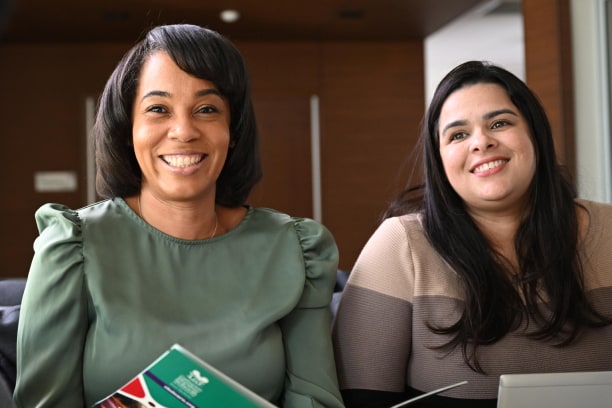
{"x":497,"y":300}
{"x":204,"y":54}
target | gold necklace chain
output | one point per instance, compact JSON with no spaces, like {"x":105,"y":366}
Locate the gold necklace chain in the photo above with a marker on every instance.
{"x":211,"y":235}
{"x":216,"y":225}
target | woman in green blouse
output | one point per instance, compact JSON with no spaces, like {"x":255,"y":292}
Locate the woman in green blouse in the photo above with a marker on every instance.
{"x":174,"y":254}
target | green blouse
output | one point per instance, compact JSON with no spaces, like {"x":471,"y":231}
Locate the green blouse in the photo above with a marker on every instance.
{"x":107,"y":294}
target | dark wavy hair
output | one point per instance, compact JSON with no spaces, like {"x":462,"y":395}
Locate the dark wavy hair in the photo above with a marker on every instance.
{"x":546,"y":241}
{"x":204,"y":54}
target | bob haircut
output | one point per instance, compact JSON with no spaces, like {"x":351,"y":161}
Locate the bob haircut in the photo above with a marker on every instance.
{"x":199,"y":52}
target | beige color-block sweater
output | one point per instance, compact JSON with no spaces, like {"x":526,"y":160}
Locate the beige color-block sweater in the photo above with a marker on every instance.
{"x":399,"y":283}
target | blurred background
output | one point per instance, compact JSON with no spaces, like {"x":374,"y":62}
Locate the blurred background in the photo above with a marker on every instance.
{"x":339,"y":88}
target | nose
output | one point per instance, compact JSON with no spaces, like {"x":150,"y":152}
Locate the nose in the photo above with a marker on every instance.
{"x":482,"y":140}
{"x":183,"y":129}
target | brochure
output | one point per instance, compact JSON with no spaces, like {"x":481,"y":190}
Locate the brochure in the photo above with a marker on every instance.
{"x":179,"y":379}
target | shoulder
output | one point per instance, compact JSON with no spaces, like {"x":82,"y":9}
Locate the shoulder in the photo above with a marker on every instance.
{"x":595,"y":219}
{"x":399,"y":261}
{"x":596,"y":236}
{"x":316,"y":241}
{"x":58,"y":222}
{"x":53,"y":214}
{"x":307,"y":230}
{"x":385,"y":263}
{"x":316,"y":249}
{"x":58,"y":249}
{"x":600,"y":210}
{"x":398,"y":233}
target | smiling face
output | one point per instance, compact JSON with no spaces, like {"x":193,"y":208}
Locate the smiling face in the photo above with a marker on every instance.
{"x":180,"y":131}
{"x":486,"y":148}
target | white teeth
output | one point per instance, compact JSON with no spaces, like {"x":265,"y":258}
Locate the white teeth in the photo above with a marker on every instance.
{"x":178,"y":160}
{"x":489,"y":165}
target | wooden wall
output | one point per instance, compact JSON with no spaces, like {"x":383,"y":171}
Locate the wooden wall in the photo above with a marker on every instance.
{"x":372,"y":102}
{"x":42,"y":116}
{"x":548,"y":68}
{"x":371,"y":98}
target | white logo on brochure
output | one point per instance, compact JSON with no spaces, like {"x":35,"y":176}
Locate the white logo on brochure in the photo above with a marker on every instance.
{"x":197,"y":378}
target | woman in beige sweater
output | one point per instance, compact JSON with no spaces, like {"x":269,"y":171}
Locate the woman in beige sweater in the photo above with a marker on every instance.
{"x":491,"y":266}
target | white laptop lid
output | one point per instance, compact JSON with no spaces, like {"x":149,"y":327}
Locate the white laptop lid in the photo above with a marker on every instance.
{"x":559,"y":390}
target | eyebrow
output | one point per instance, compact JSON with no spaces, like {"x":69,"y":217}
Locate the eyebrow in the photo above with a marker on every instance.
{"x":487,"y":116}
{"x":203,"y":92}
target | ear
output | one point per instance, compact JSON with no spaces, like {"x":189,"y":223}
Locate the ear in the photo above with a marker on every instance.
{"x":232,"y":144}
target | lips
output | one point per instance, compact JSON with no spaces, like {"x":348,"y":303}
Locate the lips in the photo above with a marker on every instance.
{"x":183,"y":160}
{"x":488,"y":166}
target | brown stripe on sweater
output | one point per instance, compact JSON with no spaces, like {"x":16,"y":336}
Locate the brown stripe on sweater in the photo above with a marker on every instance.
{"x":378,"y":347}
{"x":372,"y":343}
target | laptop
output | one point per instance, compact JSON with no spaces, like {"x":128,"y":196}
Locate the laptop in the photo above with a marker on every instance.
{"x":560,"y":390}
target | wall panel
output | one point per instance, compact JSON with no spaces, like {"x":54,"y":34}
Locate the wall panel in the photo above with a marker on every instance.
{"x":548,"y":68}
{"x":42,"y":111}
{"x":372,"y":100}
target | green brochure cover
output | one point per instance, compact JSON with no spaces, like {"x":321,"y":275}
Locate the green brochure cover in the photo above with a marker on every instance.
{"x":179,"y":379}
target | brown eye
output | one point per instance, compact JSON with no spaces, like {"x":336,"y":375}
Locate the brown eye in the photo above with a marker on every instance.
{"x":207,"y":109}
{"x":500,"y":123}
{"x":458,"y":136}
{"x":156,"y":109}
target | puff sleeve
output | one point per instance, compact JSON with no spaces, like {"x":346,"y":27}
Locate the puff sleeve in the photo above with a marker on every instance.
{"x":53,"y":321}
{"x":311,"y":373}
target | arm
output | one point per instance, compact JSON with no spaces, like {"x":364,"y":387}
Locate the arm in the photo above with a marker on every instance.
{"x":311,"y":374}
{"x":372,"y":332}
{"x":53,"y":319}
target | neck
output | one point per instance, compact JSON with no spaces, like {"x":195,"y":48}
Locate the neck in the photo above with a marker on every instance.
{"x":500,"y":231}
{"x":179,"y":221}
